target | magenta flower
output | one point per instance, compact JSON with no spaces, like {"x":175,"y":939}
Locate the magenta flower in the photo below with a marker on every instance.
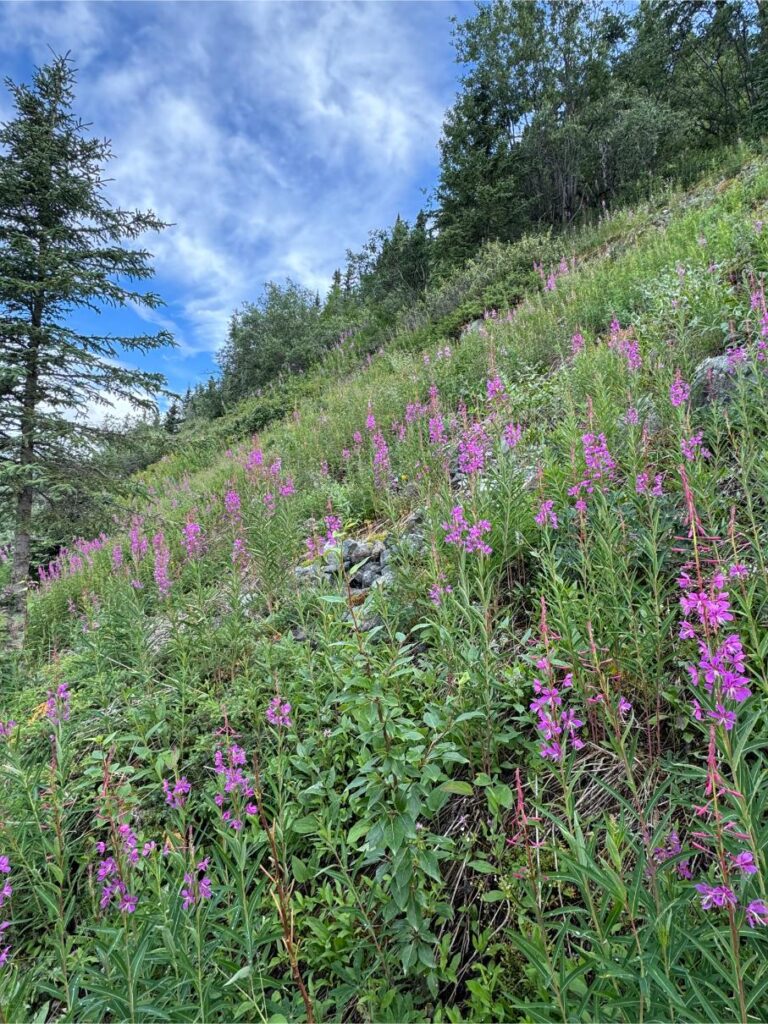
{"x":6,"y":728}
{"x":162,"y":560}
{"x":715,"y":896}
{"x":436,"y":430}
{"x":577,"y":344}
{"x":278,"y":713}
{"x":722,"y":716}
{"x":128,"y":903}
{"x":472,"y":447}
{"x":494,"y":389}
{"x":512,"y":434}
{"x":467,"y":536}
{"x":192,"y":539}
{"x":691,"y":447}
{"x":5,"y":865}
{"x":757,"y":913}
{"x":546,"y":516}
{"x":745,"y":862}
{"x":232,"y":504}
{"x":197,"y":886}
{"x":679,"y":392}
{"x":176,"y":795}
{"x":117,"y":557}
{"x":624,"y":707}
{"x":57,"y":706}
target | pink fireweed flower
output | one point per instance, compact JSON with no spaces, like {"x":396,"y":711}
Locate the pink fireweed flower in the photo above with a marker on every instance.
{"x":176,"y":795}
{"x":712,"y":609}
{"x":370,"y":420}
{"x":624,"y":707}
{"x":465,"y":535}
{"x":738,"y":571}
{"x":658,"y":486}
{"x":287,"y":488}
{"x":192,"y":539}
{"x":278,"y":713}
{"x":346,"y":454}
{"x":332,"y":529}
{"x":255,"y":460}
{"x":438,"y":591}
{"x":577,"y":344}
{"x":641,"y":483}
{"x":162,"y":560}
{"x":691,"y":447}
{"x":239,"y":552}
{"x":679,"y":391}
{"x":238,"y":790}
{"x":276,"y":467}
{"x":197,"y":886}
{"x":722,"y":716}
{"x":757,"y":913}
{"x":745,"y":862}
{"x":381,"y":466}
{"x":495,"y":390}
{"x":631,"y":416}
{"x":5,"y":951}
{"x":512,"y":434}
{"x":6,"y":728}
{"x":269,"y":503}
{"x":232,"y":504}
{"x":546,"y":515}
{"x":117,"y":557}
{"x":472,"y":447}
{"x":128,"y":903}
{"x":715,"y":896}
{"x":57,"y":706}
{"x":357,"y":437}
{"x":436,"y":430}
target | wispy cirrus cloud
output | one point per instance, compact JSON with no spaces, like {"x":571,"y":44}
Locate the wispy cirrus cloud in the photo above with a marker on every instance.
{"x":272,"y":135}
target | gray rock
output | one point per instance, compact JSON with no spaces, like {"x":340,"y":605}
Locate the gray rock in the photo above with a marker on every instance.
{"x":714,"y":381}
{"x":356,"y":552}
{"x":332,"y":562}
{"x":385,"y":579}
{"x":366,"y":577}
{"x":306,"y":574}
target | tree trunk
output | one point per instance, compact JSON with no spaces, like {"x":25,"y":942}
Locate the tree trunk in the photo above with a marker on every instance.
{"x":17,"y":605}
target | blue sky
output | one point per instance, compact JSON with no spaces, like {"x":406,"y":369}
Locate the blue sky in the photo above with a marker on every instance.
{"x":272,"y":135}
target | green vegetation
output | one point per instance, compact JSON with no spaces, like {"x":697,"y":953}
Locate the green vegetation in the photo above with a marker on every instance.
{"x":406,"y":852}
{"x":422,"y":674}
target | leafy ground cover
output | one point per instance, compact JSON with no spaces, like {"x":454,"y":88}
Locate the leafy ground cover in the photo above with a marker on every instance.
{"x":526,"y":779}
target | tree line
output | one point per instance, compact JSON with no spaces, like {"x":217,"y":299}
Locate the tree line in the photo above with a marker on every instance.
{"x":564,"y":109}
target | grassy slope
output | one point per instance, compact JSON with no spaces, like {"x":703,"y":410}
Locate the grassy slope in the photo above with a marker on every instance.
{"x":424,"y":720}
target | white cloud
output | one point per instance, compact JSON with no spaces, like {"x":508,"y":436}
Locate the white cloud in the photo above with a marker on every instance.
{"x":273,"y":135}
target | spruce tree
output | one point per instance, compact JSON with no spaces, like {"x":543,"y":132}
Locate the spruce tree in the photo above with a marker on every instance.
{"x":62,"y":250}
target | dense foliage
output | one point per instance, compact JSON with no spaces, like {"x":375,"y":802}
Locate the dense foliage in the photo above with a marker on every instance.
{"x":565,"y":110}
{"x":62,"y":250}
{"x":521,"y":779}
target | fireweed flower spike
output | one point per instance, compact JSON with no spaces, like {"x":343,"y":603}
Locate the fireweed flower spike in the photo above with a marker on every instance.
{"x":197,"y":885}
{"x":546,"y":515}
{"x":176,"y":795}
{"x":679,"y":392}
{"x":278,"y":713}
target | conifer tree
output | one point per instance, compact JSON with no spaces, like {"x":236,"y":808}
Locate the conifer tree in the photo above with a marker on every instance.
{"x":62,"y":251}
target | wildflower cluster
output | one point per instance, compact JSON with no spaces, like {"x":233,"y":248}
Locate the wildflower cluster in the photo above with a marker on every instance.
{"x":557,"y":725}
{"x":473,"y":444}
{"x":236,"y":799}
{"x":278,"y":713}
{"x":57,"y":707}
{"x":6,"y":891}
{"x":467,"y":536}
{"x":197,"y":885}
